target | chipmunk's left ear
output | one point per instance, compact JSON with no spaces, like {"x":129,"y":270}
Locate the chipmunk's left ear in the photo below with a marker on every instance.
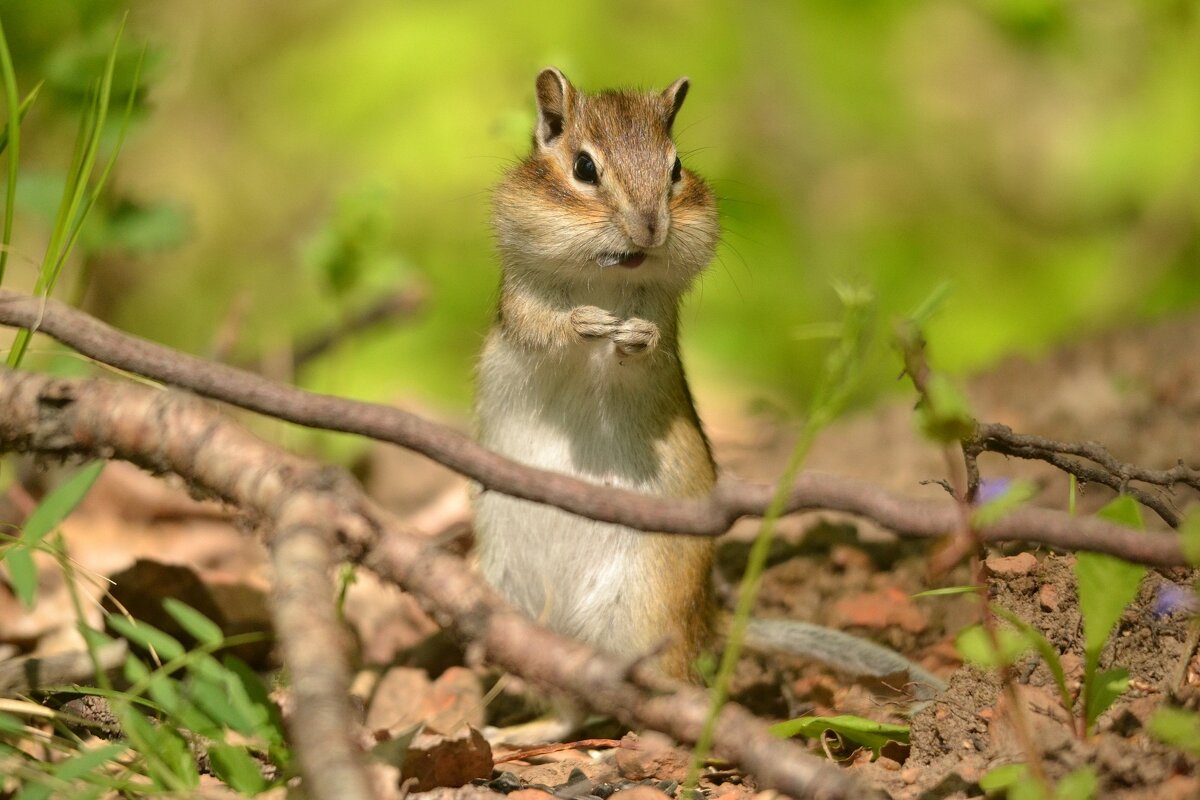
{"x":674,"y":95}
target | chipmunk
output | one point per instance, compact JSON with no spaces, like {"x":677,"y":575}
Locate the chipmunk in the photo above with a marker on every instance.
{"x":602,"y":231}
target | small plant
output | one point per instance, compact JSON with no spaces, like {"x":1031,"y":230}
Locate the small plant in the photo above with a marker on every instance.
{"x":181,"y":707}
{"x":840,"y":374}
{"x":858,"y":731}
{"x":1106,"y":585}
{"x":1014,"y":782}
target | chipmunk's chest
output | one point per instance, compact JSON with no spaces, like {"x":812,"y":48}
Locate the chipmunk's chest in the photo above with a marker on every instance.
{"x":580,"y":413}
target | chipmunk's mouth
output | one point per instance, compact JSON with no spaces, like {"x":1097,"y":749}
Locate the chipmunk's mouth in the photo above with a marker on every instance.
{"x":629,"y":260}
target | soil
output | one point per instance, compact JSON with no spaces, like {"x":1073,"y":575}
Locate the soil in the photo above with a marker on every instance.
{"x":1136,"y":391}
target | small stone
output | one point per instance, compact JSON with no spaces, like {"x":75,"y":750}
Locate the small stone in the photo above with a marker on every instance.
{"x":1048,"y":597}
{"x":848,"y":557}
{"x":640,"y":793}
{"x":1011,"y":566}
{"x":880,"y":610}
{"x":886,"y":763}
{"x":505,"y":783}
{"x":910,"y":775}
{"x":651,"y":756}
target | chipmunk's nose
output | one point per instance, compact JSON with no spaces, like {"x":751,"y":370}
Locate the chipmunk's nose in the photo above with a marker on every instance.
{"x":648,"y":228}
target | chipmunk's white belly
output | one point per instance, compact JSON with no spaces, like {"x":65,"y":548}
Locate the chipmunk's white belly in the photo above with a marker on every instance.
{"x":582,"y":578}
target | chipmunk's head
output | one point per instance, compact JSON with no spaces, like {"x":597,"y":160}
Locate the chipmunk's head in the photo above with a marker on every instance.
{"x":604,"y":189}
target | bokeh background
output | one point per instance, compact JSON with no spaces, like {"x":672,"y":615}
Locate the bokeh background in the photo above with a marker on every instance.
{"x":292,"y":159}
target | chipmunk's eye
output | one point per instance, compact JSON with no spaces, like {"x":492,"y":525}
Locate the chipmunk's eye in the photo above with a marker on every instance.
{"x":585,"y":168}
{"x":676,"y":171}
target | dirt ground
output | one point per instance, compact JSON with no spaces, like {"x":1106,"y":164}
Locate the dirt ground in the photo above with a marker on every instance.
{"x":1137,"y":391}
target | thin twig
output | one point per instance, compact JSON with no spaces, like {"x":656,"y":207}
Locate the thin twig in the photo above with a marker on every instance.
{"x":1109,"y":471}
{"x":710,"y":516}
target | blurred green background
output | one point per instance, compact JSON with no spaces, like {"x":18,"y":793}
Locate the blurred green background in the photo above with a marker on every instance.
{"x":291,"y":159}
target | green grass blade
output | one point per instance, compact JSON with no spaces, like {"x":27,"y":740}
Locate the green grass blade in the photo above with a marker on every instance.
{"x":26,"y":104}
{"x":77,"y":201}
{"x":14,"y":134}
{"x":100,"y":182}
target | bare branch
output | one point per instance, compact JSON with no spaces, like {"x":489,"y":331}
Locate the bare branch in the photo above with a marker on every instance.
{"x":1110,"y":472}
{"x":305,"y":504}
{"x":709,"y":516}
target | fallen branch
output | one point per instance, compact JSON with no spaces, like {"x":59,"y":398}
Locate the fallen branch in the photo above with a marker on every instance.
{"x":709,"y":516}
{"x":310,"y":509}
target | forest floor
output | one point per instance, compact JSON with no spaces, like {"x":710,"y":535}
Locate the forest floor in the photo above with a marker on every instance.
{"x":1137,"y":391}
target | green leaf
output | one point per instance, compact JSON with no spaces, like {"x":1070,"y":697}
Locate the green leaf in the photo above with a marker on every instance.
{"x":944,"y":414}
{"x":1015,"y":495}
{"x":199,"y":626}
{"x":87,"y":760}
{"x":1080,"y":784}
{"x":1043,"y":647}
{"x":1176,"y":727}
{"x":60,"y":502}
{"x":234,"y":765}
{"x":975,"y":646}
{"x":213,"y":698}
{"x":135,"y":670}
{"x":147,"y":636}
{"x":257,"y":694}
{"x":22,"y":573}
{"x":34,"y":791}
{"x":1189,"y":536}
{"x":1107,"y":585}
{"x":1101,"y":689}
{"x":10,"y":724}
{"x":1123,"y":510}
{"x":169,"y":762}
{"x":999,"y":778}
{"x":930,"y":305}
{"x":861,"y":731}
{"x":948,"y":590}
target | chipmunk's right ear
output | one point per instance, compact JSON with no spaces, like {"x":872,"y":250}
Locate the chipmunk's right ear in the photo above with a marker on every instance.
{"x":554,"y":96}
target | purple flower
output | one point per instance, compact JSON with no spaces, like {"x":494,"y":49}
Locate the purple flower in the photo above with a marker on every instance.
{"x":991,"y":488}
{"x":1175,"y":599}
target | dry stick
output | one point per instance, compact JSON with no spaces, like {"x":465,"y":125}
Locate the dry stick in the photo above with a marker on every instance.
{"x":709,"y":516}
{"x":170,"y":432}
{"x":314,"y":646}
{"x":1110,"y":472}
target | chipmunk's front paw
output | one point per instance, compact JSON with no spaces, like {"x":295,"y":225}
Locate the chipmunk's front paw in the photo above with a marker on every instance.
{"x":635,"y":337}
{"x":591,"y":322}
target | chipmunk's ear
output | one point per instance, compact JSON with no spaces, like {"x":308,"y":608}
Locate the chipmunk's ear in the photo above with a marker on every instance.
{"x":554,"y":96}
{"x":674,"y":95}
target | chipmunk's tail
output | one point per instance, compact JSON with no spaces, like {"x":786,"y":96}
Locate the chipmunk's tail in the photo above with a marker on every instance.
{"x":843,"y":652}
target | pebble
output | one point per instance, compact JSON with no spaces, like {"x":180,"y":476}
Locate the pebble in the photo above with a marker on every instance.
{"x":1011,"y":566}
